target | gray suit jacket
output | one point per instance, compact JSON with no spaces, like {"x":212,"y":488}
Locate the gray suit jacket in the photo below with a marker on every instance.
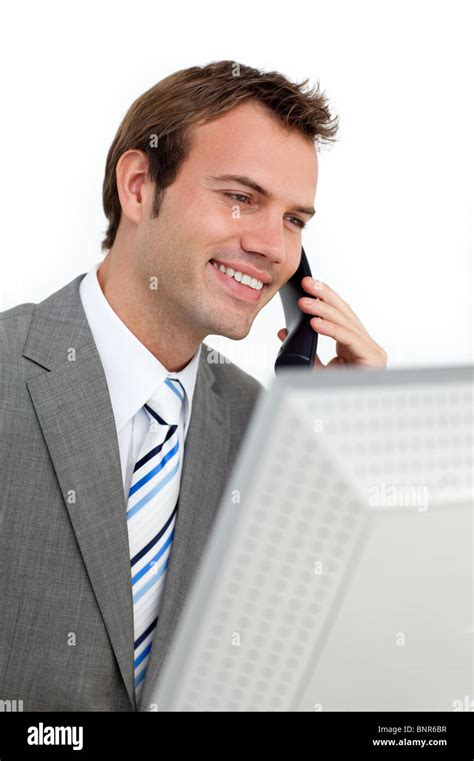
{"x":66,"y":618}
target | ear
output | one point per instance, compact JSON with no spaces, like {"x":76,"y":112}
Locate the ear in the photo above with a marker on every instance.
{"x":133,"y":185}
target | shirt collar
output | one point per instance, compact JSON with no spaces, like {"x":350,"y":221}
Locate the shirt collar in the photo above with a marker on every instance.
{"x":132,"y":372}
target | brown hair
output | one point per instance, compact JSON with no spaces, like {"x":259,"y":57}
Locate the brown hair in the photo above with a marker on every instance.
{"x":163,"y":116}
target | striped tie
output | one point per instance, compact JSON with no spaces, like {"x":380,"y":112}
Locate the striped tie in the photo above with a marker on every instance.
{"x":151,"y":515}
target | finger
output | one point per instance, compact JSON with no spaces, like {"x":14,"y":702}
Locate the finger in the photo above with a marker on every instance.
{"x":322,"y":291}
{"x":357,"y":345}
{"x":282,"y":334}
{"x":331,"y":313}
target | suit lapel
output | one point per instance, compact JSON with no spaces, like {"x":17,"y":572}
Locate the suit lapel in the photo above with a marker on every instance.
{"x":74,"y":411}
{"x":202,"y":482}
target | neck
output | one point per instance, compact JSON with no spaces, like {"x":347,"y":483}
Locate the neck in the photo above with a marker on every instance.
{"x":144,"y":315}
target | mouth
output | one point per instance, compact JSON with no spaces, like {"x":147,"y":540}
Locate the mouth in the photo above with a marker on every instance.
{"x":241,"y":285}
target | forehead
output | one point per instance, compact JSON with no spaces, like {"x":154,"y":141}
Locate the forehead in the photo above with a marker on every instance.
{"x":250,"y":140}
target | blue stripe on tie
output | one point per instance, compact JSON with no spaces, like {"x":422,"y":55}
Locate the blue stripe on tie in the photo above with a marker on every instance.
{"x":141,"y":657}
{"x":145,"y":634}
{"x":155,"y":450}
{"x":151,"y":582}
{"x":173,"y":388}
{"x":153,"y":561}
{"x":155,"y":539}
{"x":167,"y":457}
{"x":140,"y":677}
{"x":130,"y":513}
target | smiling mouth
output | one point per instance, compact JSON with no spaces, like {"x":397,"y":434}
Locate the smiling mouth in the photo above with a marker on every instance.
{"x":240,"y":277}
{"x":244,"y":291}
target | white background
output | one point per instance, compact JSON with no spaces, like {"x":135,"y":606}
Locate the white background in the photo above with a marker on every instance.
{"x":393,"y":229}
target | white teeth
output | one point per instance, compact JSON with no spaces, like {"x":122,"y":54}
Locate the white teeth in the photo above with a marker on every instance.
{"x":251,"y":282}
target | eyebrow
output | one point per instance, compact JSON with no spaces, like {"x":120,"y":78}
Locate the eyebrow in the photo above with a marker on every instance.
{"x":244,"y":180}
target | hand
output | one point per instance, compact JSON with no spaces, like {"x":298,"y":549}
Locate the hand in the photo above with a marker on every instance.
{"x":336,"y":319}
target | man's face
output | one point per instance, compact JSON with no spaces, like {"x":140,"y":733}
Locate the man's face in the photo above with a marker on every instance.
{"x":207,"y":215}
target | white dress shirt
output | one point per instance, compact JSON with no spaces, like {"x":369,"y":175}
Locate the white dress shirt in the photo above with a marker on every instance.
{"x":133,"y":374}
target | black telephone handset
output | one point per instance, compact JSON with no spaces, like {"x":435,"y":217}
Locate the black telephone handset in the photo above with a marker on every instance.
{"x":300,"y":345}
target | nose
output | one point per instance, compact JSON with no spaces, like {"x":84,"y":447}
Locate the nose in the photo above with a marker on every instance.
{"x":264,"y":236}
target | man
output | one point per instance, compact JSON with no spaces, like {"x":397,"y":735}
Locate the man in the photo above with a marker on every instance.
{"x":118,"y":430}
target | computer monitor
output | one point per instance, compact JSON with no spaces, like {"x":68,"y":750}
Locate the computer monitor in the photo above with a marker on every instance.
{"x":338,"y":575}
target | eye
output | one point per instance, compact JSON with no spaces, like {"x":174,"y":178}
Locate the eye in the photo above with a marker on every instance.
{"x":238,"y":196}
{"x":299,"y":222}
{"x":242,"y":198}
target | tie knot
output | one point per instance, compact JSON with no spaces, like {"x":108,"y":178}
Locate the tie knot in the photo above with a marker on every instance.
{"x":166,"y":403}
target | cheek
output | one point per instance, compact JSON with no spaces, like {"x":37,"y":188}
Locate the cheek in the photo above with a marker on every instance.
{"x":210,"y":221}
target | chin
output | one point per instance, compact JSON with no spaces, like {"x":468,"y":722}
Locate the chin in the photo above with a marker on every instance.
{"x":233,"y":332}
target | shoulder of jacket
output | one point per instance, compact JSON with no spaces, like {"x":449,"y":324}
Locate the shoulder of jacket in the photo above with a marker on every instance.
{"x":18,"y":312}
{"x":231,"y":380}
{"x":15,"y":322}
